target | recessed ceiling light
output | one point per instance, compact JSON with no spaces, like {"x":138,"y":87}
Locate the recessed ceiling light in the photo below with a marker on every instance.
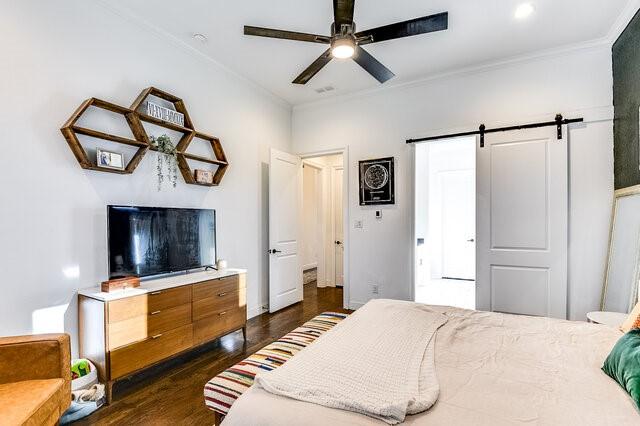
{"x":524,"y":11}
{"x":200,"y":37}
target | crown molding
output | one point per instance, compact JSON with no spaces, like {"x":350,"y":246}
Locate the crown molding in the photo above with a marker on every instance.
{"x":623,"y":20}
{"x":139,"y":22}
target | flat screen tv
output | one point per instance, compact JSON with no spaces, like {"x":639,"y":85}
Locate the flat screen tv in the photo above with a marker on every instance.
{"x":144,"y":241}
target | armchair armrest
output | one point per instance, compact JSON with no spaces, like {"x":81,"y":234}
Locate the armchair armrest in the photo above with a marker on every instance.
{"x":46,"y":356}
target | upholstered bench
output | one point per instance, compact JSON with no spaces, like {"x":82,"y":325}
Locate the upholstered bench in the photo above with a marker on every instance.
{"x":222,"y":391}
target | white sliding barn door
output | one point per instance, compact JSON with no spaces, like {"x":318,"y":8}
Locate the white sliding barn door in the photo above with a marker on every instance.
{"x":522,"y":223}
{"x":285,"y":230}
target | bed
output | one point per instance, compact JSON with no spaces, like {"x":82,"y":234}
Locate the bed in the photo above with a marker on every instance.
{"x":493,"y":369}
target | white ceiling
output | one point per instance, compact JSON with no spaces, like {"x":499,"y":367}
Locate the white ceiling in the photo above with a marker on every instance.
{"x":480,"y":31}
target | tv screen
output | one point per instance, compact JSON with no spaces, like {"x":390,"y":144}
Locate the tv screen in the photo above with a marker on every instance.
{"x":145,"y":241}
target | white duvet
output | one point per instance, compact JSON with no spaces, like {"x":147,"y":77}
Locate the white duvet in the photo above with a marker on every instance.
{"x":379,"y":362}
{"x":493,"y":369}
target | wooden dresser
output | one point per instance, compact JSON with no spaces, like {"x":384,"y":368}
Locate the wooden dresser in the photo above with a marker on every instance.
{"x":126,"y":331}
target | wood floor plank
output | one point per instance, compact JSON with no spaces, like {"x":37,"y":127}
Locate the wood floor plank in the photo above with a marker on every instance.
{"x":172,"y":393}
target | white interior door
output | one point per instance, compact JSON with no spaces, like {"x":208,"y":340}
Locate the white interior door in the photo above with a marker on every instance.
{"x":338,"y":226}
{"x":458,"y":203}
{"x":285,"y":223}
{"x":522,"y":223}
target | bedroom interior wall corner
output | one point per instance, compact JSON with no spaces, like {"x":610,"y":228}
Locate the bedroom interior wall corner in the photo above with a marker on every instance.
{"x":53,"y":213}
{"x":377,"y":125}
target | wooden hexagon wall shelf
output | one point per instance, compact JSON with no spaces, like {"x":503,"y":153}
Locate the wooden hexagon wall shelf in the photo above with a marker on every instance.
{"x":71,"y":131}
{"x":187,"y":130}
{"x":220,"y":160}
{"x":134,"y":118}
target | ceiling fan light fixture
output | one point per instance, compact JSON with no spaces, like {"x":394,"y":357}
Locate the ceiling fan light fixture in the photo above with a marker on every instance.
{"x":343,"y":48}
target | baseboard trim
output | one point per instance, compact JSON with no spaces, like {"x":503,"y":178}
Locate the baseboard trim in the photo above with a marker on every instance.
{"x":258,"y":310}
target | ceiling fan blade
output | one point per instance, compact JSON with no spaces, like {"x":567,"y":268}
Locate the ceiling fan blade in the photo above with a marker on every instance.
{"x":372,"y":65}
{"x":426,"y":24}
{"x":287,"y":35}
{"x":343,"y":13}
{"x":314,"y":68}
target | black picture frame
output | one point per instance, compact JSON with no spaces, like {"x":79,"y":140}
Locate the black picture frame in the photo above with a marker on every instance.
{"x":377,"y":181}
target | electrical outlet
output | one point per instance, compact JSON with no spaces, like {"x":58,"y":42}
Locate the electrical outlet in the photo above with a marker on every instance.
{"x":375,"y":289}
{"x":358,"y":224}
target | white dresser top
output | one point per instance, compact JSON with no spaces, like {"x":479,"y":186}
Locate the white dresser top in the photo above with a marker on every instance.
{"x":159,"y":284}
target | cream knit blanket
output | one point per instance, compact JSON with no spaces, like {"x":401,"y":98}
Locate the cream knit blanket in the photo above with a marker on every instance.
{"x":378,"y":362}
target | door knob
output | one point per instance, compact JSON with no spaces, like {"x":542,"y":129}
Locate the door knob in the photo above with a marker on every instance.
{"x":338,"y":242}
{"x":274,"y":251}
{"x":471,"y":240}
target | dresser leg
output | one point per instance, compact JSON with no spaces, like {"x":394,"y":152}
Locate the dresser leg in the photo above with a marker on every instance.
{"x":108,"y":390}
{"x":244,"y":333}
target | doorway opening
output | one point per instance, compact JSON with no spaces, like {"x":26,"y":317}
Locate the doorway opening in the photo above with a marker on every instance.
{"x":322,"y":241}
{"x":445,"y":223}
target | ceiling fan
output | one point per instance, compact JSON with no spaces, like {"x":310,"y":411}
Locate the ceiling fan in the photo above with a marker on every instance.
{"x":347,"y":43}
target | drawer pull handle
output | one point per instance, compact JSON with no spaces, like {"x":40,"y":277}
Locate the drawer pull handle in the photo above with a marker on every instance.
{"x":222,"y":294}
{"x":155,"y":293}
{"x":156,"y":336}
{"x":223,"y":313}
{"x":155,"y":312}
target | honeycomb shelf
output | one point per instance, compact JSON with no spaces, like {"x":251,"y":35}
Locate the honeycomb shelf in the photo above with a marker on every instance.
{"x":135,"y":118}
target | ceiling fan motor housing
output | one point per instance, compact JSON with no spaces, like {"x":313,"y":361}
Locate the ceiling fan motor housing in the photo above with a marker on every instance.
{"x":345,"y":30}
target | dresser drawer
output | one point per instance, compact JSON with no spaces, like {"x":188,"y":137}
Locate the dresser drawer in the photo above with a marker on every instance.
{"x":221,"y":302}
{"x":130,"y":307}
{"x":219,"y":324}
{"x":142,"y":354}
{"x":215,"y":287}
{"x":138,"y":328}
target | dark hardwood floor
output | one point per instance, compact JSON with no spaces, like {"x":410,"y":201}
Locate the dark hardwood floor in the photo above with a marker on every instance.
{"x":172,"y":393}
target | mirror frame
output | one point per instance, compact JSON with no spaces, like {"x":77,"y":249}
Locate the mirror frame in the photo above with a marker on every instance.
{"x":619,"y":194}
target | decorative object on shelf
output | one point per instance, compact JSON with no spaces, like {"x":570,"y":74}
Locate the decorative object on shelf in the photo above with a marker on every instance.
{"x":119,"y":284}
{"x":221,"y":264}
{"x":135,"y":116}
{"x":203,"y":176}
{"x":167,"y":159}
{"x":377,"y":182}
{"x":165,"y":114}
{"x":109,"y":160}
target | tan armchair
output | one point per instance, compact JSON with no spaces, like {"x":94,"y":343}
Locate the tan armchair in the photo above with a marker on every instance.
{"x":35,"y":379}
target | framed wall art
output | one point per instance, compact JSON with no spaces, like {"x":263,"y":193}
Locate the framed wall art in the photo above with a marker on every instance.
{"x":377,"y":182}
{"x":109,"y":160}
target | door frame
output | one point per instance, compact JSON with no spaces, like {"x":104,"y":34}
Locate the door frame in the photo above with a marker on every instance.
{"x":345,"y":214}
{"x":333,"y":170}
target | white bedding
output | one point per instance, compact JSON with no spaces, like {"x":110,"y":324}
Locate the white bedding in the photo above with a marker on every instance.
{"x":493,"y":369}
{"x":386,"y":367}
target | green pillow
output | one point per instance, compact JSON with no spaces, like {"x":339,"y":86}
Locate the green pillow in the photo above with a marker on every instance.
{"x":623,"y":364}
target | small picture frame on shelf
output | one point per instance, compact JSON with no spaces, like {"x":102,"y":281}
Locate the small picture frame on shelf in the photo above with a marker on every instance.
{"x":204,"y":177}
{"x":109,"y":160}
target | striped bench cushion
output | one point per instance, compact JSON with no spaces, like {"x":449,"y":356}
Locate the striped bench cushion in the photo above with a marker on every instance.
{"x":223,"y":390}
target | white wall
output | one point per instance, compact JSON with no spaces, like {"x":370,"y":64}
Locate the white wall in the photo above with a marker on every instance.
{"x":52,"y":213}
{"x":377,"y":124}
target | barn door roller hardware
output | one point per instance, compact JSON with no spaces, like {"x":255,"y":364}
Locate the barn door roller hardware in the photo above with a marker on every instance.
{"x":559,"y":121}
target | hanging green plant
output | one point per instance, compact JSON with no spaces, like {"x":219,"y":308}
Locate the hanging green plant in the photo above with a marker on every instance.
{"x":167,"y":160}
